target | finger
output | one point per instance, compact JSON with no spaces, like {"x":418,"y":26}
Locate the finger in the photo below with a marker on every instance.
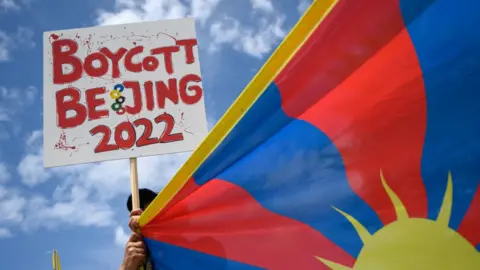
{"x":139,"y":257}
{"x":137,"y":244}
{"x":136,"y":212}
{"x":134,"y":251}
{"x":134,"y":237}
{"x":133,"y":224}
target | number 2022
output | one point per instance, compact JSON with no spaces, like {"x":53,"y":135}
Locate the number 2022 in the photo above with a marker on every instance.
{"x":131,"y":140}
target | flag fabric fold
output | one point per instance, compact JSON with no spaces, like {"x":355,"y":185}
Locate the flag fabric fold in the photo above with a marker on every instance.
{"x":355,"y":146}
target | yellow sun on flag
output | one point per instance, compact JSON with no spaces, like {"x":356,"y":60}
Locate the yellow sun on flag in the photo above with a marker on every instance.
{"x":413,"y":243}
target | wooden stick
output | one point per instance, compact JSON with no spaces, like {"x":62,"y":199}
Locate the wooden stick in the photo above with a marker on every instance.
{"x":134,"y":188}
{"x":134,"y":183}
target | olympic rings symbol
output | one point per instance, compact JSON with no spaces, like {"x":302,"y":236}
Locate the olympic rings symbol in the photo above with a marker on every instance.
{"x":116,"y":94}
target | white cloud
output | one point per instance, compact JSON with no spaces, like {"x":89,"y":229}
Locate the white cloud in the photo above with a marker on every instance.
{"x":31,"y":169}
{"x":121,"y":237}
{"x":13,"y":100}
{"x":202,"y":9}
{"x":84,"y":193}
{"x":121,"y":17}
{"x":17,"y":96}
{"x":256,"y":42}
{"x":303,"y":5}
{"x":11,"y":206}
{"x":4,"y":134}
{"x":30,"y":211}
{"x":5,"y":46}
{"x":4,"y":173}
{"x":34,"y":141}
{"x":8,"y":4}
{"x":78,"y":210}
{"x":34,"y":212}
{"x":130,"y":11}
{"x":23,"y":38}
{"x":5,"y":233}
{"x":126,"y":4}
{"x":264,"y":5}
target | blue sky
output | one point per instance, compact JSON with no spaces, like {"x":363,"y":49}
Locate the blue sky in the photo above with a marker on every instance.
{"x":80,"y":210}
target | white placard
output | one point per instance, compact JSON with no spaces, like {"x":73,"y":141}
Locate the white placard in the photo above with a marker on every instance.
{"x":122,"y":91}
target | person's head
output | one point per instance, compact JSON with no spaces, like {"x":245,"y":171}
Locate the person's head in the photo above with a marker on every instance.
{"x":146,"y":197}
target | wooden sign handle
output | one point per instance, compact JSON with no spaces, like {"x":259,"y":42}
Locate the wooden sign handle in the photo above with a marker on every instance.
{"x":134,"y":187}
{"x":134,"y":183}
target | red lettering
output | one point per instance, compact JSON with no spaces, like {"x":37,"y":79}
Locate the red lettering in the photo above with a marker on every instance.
{"x":131,"y":135}
{"x":149,"y":95}
{"x":103,"y":145}
{"x":93,"y":71}
{"x":93,"y":102}
{"x":137,"y":97}
{"x":63,"y":106}
{"x":198,"y":92}
{"x":167,"y":136}
{"x":167,"y":56}
{"x":97,"y":64}
{"x":150,"y":63}
{"x":129,"y":65}
{"x":188,"y":43}
{"x":115,"y":57}
{"x":66,"y":57}
{"x":145,"y":139}
{"x":164,"y":92}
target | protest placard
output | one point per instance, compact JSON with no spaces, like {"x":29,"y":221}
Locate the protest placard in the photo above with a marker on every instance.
{"x":122,"y":91}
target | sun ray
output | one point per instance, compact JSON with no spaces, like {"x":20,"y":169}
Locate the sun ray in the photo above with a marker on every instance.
{"x":361,"y":230}
{"x":446,"y":209}
{"x":400,"y":209}
{"x":332,"y":265}
{"x":409,"y":243}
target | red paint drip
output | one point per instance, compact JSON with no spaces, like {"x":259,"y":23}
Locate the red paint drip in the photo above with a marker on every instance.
{"x":62,"y":143}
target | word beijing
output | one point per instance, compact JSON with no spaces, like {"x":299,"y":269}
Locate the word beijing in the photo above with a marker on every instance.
{"x":185,"y":89}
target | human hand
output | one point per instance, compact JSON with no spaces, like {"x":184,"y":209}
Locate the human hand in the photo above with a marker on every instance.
{"x":133,"y":222}
{"x":134,"y":253}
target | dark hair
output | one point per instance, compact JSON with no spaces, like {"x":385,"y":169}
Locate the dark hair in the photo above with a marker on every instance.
{"x":146,"y":197}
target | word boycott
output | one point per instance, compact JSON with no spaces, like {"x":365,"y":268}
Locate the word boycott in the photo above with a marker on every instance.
{"x":64,"y":50}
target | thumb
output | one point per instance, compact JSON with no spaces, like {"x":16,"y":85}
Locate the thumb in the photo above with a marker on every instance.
{"x":136,"y":212}
{"x":133,"y":224}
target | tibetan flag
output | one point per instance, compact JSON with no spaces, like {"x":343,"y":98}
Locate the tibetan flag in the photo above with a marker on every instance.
{"x":356,"y":146}
{"x":56,"y":261}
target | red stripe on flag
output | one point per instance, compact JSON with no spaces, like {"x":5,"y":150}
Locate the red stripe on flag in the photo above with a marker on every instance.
{"x":351,"y":34}
{"x":189,"y":187}
{"x":377,"y":120}
{"x":471,"y":222}
{"x":224,"y":220}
